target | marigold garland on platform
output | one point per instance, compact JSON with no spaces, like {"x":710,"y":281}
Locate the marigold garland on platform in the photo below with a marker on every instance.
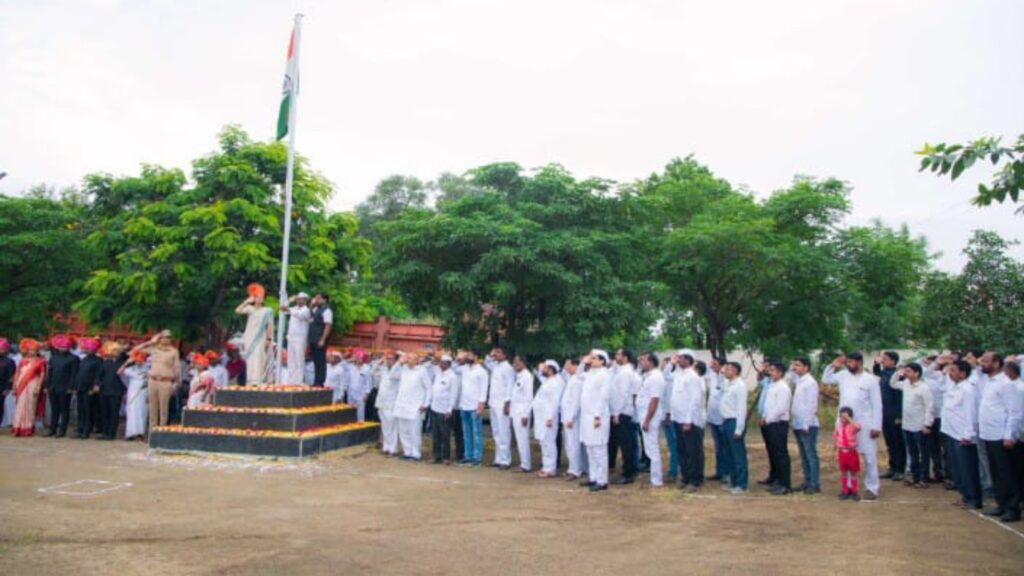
{"x":276,"y":388}
{"x":266,"y":433}
{"x":286,"y":411}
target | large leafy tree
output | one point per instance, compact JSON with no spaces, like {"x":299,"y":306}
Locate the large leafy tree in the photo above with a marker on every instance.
{"x":983,"y":306}
{"x":755,"y":274}
{"x":43,"y":260}
{"x":541,"y":262}
{"x":884,"y":269}
{"x":178,"y":252}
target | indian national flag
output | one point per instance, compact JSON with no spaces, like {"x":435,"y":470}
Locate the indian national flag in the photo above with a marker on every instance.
{"x":291,"y":75}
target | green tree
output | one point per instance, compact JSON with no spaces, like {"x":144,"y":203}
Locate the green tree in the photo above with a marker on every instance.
{"x":759,"y":275}
{"x":179,"y":253}
{"x":955,"y":159}
{"x":392,"y":196}
{"x":543,"y":263}
{"x":884,"y":269}
{"x":983,"y":306}
{"x":42,"y":259}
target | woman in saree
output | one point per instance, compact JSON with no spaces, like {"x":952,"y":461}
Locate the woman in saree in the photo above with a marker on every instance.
{"x":257,"y":341}
{"x":28,"y":381}
{"x":136,"y":371}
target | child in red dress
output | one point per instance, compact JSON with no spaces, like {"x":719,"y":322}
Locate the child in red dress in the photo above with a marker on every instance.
{"x":845,"y":437}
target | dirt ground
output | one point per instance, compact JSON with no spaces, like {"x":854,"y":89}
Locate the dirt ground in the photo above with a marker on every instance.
{"x":89,"y":507}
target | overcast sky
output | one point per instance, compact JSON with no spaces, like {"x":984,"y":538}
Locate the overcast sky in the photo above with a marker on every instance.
{"x":759,"y":91}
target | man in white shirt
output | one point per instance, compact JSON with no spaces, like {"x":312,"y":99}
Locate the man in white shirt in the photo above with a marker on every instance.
{"x":442,"y":403}
{"x":916,"y":419}
{"x":733,"y":407}
{"x":668,"y":427}
{"x":861,"y":392}
{"x":298,"y":334}
{"x":595,"y":418}
{"x":545,"y":407}
{"x":335,"y":375}
{"x":650,"y":411}
{"x":686,"y":412}
{"x":503,"y":378}
{"x":999,"y":421}
{"x":360,"y":381}
{"x":960,"y":425}
{"x":386,"y":397}
{"x":519,"y":411}
{"x":624,"y":388}
{"x":472,"y":399}
{"x":715,"y":385}
{"x":776,"y":425}
{"x":570,"y":412}
{"x":410,"y":405}
{"x":805,"y":423}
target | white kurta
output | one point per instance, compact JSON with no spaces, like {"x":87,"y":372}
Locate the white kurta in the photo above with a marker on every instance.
{"x":137,"y":402}
{"x":255,"y":347}
{"x":413,"y":390}
{"x":595,"y":405}
{"x":298,"y":332}
{"x":519,"y":409}
{"x":335,"y":381}
{"x":545,"y":421}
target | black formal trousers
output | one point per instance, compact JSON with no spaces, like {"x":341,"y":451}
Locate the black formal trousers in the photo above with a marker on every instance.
{"x":83,"y":410}
{"x":60,"y":410}
{"x":442,"y":436}
{"x":690,"y":445}
{"x":110,"y":414}
{"x":319,"y":354}
{"x":623,"y":438}
{"x":777,"y":434}
{"x":1005,"y":483}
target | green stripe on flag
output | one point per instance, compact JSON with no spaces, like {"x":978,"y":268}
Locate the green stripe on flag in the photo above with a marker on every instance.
{"x":282,"y":116}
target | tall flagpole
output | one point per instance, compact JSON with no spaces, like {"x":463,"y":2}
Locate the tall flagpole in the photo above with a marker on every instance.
{"x":293,"y":110}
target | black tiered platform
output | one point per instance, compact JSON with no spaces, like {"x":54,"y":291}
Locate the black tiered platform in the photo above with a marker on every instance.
{"x":267,"y":421}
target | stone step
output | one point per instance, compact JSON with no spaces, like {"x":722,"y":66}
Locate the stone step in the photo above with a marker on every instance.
{"x":262,"y":443}
{"x":274,"y":396}
{"x":277,"y":419}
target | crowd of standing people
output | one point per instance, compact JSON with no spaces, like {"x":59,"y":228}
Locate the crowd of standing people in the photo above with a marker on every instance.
{"x":954,"y":419}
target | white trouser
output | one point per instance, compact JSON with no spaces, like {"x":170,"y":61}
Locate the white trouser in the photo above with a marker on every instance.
{"x":361,"y":411}
{"x":388,"y":432}
{"x":411,"y":434}
{"x":501,"y":428}
{"x":871,"y":481}
{"x":653,"y":451}
{"x":522,"y":441}
{"x":296,"y":373}
{"x":573,"y":449}
{"x":548,"y":448}
{"x":598,"y":458}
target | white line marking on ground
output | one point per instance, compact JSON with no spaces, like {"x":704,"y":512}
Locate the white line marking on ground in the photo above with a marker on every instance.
{"x":98,"y":487}
{"x":998,"y":523}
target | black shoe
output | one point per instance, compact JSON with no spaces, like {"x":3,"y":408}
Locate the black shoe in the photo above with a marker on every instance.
{"x":995,"y":512}
{"x":1011,"y":517}
{"x":51,"y":434}
{"x":888,"y":475}
{"x":598,"y":487}
{"x":855,"y":497}
{"x":780,"y":491}
{"x":949,"y":485}
{"x":810,"y":491}
{"x":767,"y":482}
{"x":844,"y":496}
{"x":623,"y":480}
{"x":503,"y":467}
{"x":61,"y":434}
{"x":897,"y":477}
{"x":587,"y":483}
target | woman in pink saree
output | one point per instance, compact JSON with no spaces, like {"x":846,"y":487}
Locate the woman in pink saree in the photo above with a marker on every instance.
{"x":28,"y":381}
